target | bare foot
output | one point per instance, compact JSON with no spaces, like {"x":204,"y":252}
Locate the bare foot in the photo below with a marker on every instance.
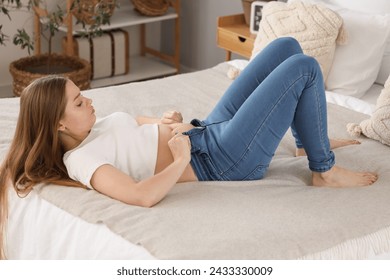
{"x":338,"y":143}
{"x":334,"y":144}
{"x":341,"y":177}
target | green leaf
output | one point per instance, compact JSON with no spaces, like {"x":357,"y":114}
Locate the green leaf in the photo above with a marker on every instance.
{"x":24,"y":40}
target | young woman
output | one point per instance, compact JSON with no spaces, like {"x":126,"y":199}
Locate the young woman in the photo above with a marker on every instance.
{"x":138,"y":161}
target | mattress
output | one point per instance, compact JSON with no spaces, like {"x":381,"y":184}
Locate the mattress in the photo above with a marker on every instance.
{"x":65,"y":234}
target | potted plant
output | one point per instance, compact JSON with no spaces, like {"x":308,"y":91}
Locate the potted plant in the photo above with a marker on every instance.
{"x":28,"y":68}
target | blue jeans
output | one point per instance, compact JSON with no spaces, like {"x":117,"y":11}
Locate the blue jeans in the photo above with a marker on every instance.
{"x":280,"y":88}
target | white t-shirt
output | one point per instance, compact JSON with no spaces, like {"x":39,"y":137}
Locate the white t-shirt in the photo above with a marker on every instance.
{"x":117,"y":140}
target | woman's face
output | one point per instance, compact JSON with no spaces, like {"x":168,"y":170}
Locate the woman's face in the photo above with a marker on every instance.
{"x":79,"y":116}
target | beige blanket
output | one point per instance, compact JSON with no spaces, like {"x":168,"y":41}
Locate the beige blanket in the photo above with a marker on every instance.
{"x":279,"y":217}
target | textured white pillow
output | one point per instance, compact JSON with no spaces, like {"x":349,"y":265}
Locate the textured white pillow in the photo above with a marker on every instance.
{"x":315,"y":27}
{"x":356,"y":64}
{"x":378,"y":126}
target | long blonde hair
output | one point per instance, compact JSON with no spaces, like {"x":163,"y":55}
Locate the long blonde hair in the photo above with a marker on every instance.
{"x":35,"y":154}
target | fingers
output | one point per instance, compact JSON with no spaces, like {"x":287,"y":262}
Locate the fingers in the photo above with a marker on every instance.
{"x":180,"y":147}
{"x":170,"y":117}
{"x":179,"y":134}
{"x":177,"y":130}
{"x":181,"y":137}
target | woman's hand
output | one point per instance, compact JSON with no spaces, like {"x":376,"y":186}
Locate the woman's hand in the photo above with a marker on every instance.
{"x":180,"y":146}
{"x":171,"y":117}
{"x":180,"y":128}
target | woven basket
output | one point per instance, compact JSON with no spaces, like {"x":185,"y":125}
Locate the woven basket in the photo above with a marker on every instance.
{"x":78,"y":70}
{"x":151,"y":7}
{"x":85,"y":10}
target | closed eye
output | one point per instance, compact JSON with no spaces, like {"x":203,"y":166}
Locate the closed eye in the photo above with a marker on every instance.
{"x":80,"y":97}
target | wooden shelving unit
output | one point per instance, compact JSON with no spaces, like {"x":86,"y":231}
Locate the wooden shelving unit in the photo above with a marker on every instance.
{"x":150,"y":63}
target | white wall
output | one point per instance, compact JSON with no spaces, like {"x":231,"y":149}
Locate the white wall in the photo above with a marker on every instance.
{"x":198,"y":31}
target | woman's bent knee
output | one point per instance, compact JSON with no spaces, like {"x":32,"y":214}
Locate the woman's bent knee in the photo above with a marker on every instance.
{"x":289,"y":43}
{"x":302,"y":61}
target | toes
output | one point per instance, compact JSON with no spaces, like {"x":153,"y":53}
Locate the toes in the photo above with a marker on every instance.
{"x":370,"y":177}
{"x":350,"y":142}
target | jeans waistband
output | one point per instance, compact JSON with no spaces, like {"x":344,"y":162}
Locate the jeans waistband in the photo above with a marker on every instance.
{"x":201,"y":161}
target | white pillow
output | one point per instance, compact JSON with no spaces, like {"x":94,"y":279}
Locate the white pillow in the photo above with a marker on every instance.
{"x":356,"y":64}
{"x":315,"y":27}
{"x":374,"y":7}
{"x":366,"y":6}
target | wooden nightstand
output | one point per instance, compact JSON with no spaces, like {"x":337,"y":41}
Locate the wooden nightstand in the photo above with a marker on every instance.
{"x":233,"y":35}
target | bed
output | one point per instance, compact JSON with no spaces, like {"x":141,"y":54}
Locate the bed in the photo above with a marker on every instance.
{"x":279,"y":217}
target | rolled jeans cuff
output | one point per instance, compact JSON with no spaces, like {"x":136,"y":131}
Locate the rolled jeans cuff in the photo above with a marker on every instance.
{"x":324,"y":165}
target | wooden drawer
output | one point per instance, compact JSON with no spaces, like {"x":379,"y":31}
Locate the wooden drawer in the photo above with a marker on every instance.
{"x":233,"y":35}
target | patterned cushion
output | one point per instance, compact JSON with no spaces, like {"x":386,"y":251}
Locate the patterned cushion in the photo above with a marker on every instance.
{"x":378,"y":126}
{"x":316,"y":28}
